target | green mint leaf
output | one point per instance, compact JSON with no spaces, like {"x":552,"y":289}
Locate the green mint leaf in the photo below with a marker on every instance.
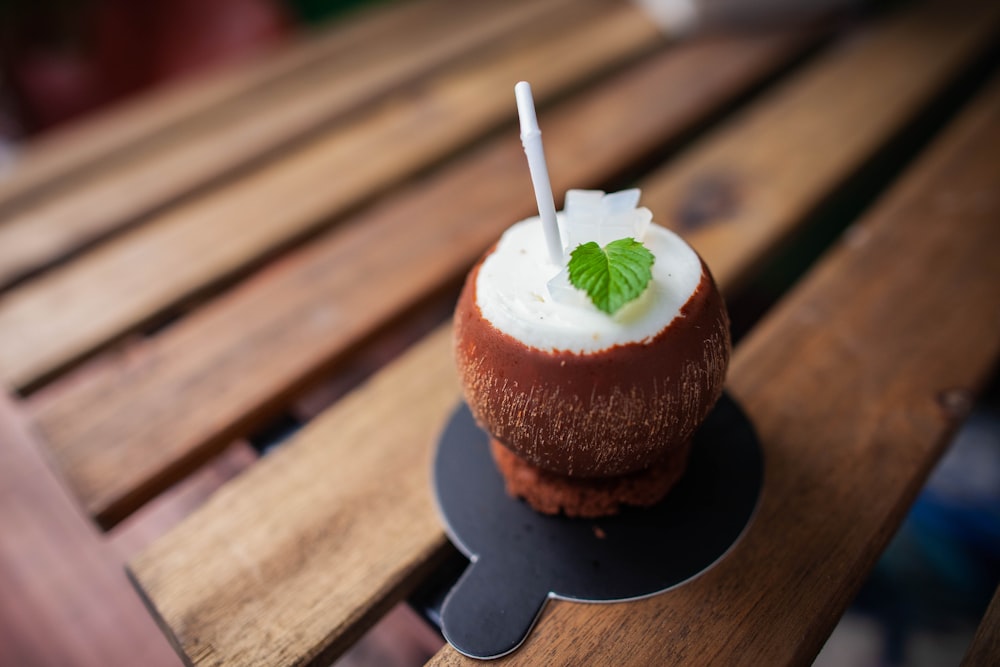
{"x":613,"y":275}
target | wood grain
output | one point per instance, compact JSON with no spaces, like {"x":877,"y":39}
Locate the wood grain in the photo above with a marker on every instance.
{"x":985,"y":648}
{"x":256,"y":127}
{"x":740,"y":193}
{"x":139,"y":423}
{"x":143,"y":399}
{"x":303,"y":584}
{"x":848,"y":384}
{"x":65,"y":601}
{"x":174,"y":505}
{"x":58,"y":158}
{"x":71,"y":311}
{"x":849,"y":415}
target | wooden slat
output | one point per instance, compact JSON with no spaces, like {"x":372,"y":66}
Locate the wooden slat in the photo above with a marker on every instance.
{"x":256,"y":126}
{"x":312,"y":578}
{"x":848,"y":386}
{"x":49,"y":161}
{"x":65,"y":600}
{"x":863,"y":333}
{"x":142,"y":402}
{"x":66,"y":313}
{"x":171,"y":507}
{"x":985,"y":648}
{"x":182,"y":572}
{"x":137,"y":423}
{"x":745,"y":187}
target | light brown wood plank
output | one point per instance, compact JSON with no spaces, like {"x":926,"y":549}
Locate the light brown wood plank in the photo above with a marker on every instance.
{"x":168,"y":509}
{"x":985,"y":648}
{"x":47,"y":162}
{"x":179,"y":374}
{"x":848,"y":385}
{"x":255,"y":127}
{"x":744,"y":189}
{"x":65,"y":601}
{"x":843,"y":382}
{"x":67,"y":313}
{"x":138,"y":423}
{"x":336,"y":465}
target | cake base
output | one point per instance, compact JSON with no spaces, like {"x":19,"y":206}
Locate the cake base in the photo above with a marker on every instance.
{"x":552,"y":493}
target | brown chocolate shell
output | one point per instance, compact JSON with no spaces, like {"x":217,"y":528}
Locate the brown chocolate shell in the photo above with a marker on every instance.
{"x":598,"y":414}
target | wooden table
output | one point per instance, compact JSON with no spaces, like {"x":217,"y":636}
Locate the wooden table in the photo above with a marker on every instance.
{"x":280,"y":244}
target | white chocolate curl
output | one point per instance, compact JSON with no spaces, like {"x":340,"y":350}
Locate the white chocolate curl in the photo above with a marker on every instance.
{"x":591,"y":215}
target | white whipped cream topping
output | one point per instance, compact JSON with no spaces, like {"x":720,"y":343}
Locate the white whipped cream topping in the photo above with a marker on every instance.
{"x":521,"y":293}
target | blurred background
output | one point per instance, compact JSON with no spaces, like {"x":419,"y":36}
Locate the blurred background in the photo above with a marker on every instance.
{"x":921,"y":604}
{"x":61,"y":59}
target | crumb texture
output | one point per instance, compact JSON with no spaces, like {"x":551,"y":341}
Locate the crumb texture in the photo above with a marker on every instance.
{"x":551,"y":493}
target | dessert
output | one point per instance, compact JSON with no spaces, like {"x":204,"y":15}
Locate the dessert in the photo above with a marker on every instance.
{"x":590,"y":410}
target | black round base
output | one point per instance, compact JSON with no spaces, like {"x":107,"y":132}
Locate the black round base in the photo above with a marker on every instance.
{"x":520,"y":558}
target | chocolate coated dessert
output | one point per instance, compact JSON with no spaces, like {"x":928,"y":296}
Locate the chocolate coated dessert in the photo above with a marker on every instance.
{"x":598,"y":414}
{"x":589,"y":411}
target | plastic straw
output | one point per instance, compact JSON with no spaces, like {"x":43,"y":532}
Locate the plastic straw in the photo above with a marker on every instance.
{"x":531,"y":139}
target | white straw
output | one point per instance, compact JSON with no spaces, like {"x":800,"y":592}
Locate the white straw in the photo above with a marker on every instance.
{"x":531,"y":139}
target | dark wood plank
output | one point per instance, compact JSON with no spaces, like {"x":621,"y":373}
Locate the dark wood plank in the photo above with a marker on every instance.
{"x":770,"y":207}
{"x":743,"y":190}
{"x":847,"y":384}
{"x":69,"y":312}
{"x":142,"y":422}
{"x":218,"y":143}
{"x":65,"y":601}
{"x":843,"y":383}
{"x":61,"y":156}
{"x":985,"y":649}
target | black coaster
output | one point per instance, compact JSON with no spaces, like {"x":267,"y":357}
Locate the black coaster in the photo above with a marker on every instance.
{"x":520,"y":558}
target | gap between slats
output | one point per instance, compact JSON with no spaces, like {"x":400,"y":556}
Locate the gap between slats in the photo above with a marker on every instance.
{"x":217,"y":147}
{"x":213,"y":367}
{"x":69,"y":312}
{"x":57,"y":160}
{"x":843,"y":383}
{"x":985,"y":648}
{"x":372,"y":417}
{"x":129,"y":416}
